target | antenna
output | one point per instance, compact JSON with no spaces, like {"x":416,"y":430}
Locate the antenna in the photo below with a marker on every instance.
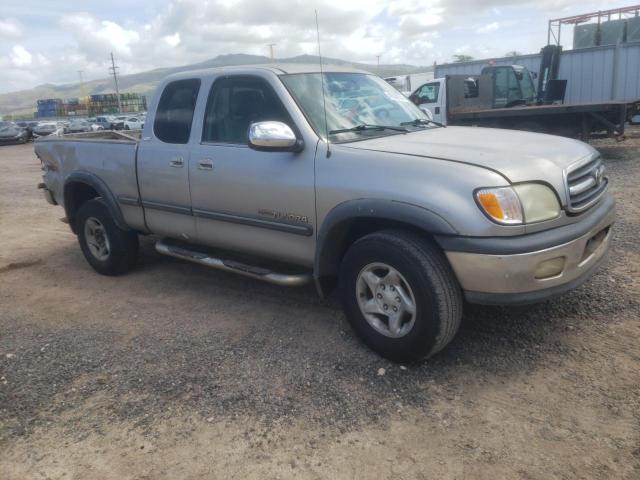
{"x":324,"y":102}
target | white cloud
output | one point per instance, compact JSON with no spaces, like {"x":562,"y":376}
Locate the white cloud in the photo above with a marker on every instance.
{"x":172,"y":40}
{"x":489,"y":27}
{"x":177,"y":32}
{"x":94,"y":36}
{"x":20,"y":56}
{"x":10,"y":28}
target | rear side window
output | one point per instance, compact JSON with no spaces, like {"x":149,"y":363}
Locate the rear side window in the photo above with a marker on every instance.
{"x":235,"y":103}
{"x":175,"y":111}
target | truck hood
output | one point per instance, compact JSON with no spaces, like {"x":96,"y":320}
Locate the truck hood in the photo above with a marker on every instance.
{"x":518,"y":156}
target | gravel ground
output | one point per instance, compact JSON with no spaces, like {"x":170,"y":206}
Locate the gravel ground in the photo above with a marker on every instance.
{"x":176,"y":371}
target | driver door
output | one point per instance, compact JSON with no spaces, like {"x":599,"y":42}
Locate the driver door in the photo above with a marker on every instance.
{"x":428,"y":97}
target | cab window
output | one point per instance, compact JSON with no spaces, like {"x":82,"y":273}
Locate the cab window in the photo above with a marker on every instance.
{"x":175,"y":111}
{"x":235,"y":103}
{"x":429,"y":93}
{"x":507,"y":88}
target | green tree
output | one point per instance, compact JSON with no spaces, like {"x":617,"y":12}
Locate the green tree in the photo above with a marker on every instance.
{"x":462,"y":58}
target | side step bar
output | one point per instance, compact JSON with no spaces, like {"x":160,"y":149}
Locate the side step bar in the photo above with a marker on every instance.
{"x":288,"y":280}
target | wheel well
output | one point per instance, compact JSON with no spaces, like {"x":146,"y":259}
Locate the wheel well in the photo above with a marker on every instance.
{"x":346,"y":234}
{"x":77,"y":194}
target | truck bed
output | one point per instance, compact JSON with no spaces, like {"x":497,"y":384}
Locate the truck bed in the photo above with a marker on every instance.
{"x":571,"y":120}
{"x":108,"y":155}
{"x":471,"y":113}
{"x":102,"y":135}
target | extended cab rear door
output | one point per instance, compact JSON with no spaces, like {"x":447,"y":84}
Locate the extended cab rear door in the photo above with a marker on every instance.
{"x":163,"y":162}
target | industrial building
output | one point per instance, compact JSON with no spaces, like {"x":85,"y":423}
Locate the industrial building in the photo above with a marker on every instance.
{"x":604,"y":64}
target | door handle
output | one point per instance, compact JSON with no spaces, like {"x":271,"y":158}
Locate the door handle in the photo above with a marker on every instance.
{"x":177,"y":162}
{"x":205,"y":164}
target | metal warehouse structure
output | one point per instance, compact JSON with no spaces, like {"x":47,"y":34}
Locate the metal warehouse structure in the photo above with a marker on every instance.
{"x":606,"y":69}
{"x":596,"y":74}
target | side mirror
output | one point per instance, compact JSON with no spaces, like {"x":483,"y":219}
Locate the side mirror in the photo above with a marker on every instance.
{"x":273,"y":136}
{"x":534,"y":75}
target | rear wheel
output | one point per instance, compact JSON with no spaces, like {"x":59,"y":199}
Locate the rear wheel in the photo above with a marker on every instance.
{"x":108,"y":249}
{"x":400,"y":295}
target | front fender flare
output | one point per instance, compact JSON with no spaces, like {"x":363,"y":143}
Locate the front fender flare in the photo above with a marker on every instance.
{"x":336,"y":224}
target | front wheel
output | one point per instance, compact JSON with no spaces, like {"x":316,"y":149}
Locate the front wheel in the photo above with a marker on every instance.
{"x":108,"y":249}
{"x":400,"y":295}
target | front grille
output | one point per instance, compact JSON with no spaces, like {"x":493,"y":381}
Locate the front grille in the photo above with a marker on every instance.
{"x":586,"y":183}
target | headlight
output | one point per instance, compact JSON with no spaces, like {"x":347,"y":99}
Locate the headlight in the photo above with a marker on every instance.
{"x":538,"y":202}
{"x":523,"y":203}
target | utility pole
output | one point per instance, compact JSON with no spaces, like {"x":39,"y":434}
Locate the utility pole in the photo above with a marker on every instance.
{"x":83,"y":94}
{"x":82,"y":89}
{"x":114,"y":70}
{"x":378,"y":68}
{"x":271,"y":45}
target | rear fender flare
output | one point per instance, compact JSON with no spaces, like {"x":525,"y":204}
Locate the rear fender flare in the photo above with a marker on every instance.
{"x":95,"y":182}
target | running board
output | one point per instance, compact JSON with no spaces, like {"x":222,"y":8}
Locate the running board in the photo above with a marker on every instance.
{"x":260,"y":273}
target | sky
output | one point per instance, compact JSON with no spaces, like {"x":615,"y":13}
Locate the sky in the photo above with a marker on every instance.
{"x":49,"y":41}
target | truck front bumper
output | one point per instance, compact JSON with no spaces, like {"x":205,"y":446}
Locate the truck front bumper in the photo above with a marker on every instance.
{"x":496,"y":270}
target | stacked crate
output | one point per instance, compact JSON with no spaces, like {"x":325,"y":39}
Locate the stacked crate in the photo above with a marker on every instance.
{"x":49,"y":108}
{"x":101,"y":104}
{"x":107,"y":103}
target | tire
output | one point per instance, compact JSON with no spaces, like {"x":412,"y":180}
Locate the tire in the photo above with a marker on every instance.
{"x":424,"y":273}
{"x":121,"y":252}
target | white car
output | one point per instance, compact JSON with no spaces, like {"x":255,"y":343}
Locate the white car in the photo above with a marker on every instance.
{"x":44,"y":129}
{"x":133,"y":123}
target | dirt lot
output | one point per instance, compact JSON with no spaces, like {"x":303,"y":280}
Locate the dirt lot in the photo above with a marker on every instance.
{"x":176,"y":371}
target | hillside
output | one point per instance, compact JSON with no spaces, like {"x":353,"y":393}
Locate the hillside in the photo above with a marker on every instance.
{"x":23,"y":102}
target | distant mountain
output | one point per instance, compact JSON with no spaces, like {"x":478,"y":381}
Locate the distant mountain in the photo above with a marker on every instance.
{"x":23,"y":102}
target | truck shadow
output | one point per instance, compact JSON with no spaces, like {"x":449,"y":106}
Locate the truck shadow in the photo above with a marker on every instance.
{"x":219,"y":344}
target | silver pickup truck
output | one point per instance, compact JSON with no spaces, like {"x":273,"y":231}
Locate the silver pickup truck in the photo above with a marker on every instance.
{"x":288,"y":175}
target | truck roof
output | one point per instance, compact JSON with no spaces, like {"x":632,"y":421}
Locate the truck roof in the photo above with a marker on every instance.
{"x":276,"y":68}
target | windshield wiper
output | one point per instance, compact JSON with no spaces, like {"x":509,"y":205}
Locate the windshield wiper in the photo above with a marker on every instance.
{"x":423,"y":121}
{"x":366,"y":126}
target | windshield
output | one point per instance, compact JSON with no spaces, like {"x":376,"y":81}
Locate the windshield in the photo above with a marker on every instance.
{"x":352,"y":100}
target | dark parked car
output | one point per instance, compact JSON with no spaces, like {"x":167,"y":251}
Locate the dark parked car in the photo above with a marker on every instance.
{"x":12,"y":133}
{"x":118,"y":123}
{"x":28,"y":126}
